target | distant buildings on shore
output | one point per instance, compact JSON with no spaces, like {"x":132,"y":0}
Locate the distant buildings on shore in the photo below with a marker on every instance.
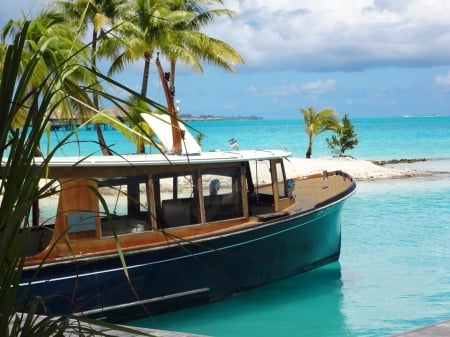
{"x":188,"y":117}
{"x":59,"y":123}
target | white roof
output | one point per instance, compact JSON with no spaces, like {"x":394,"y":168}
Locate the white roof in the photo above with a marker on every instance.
{"x":161,"y":159}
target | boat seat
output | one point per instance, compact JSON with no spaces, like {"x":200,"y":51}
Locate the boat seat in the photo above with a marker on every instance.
{"x":213,"y":208}
{"x":176,"y":213}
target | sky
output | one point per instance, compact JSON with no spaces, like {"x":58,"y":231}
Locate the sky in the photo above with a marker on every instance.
{"x":364,"y":58}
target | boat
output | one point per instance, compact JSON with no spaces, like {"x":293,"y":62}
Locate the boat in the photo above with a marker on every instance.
{"x":142,"y":234}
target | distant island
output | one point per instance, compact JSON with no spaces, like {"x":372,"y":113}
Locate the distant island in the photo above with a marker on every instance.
{"x":189,"y":117}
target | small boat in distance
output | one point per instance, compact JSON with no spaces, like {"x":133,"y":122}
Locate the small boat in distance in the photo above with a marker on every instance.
{"x":191,"y":227}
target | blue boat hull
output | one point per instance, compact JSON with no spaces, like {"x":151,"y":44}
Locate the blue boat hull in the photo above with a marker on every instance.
{"x":185,"y":274}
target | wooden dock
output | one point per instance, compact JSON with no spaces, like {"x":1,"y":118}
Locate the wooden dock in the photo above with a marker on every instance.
{"x":74,"y":328}
{"x":149,"y":332}
{"x":439,"y":329}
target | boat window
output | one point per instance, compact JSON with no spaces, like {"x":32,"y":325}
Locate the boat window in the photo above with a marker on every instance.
{"x":127,"y":204}
{"x":41,"y":224}
{"x":222,"y":193}
{"x":281,"y":180}
{"x":175,"y":200}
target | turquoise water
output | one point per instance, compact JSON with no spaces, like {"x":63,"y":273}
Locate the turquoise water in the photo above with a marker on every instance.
{"x":393,"y":275}
{"x":394,"y":271}
{"x":379,"y":138}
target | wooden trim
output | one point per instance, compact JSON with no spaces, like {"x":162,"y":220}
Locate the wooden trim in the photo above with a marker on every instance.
{"x":151,"y":203}
{"x":274,"y":177}
{"x":244,"y":191}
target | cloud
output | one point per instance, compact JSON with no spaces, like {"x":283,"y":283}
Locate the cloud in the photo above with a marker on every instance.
{"x":318,"y":87}
{"x":283,"y":89}
{"x":310,"y":35}
{"x":332,"y":35}
{"x":311,"y":89}
{"x":443,"y":80}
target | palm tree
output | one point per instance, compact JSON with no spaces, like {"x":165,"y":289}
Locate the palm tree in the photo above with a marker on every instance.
{"x":20,"y":172}
{"x":148,"y":29}
{"x":50,"y":34}
{"x":201,"y":47}
{"x":98,"y":15}
{"x":318,"y":122}
{"x":137,"y":106}
{"x":172,"y":27}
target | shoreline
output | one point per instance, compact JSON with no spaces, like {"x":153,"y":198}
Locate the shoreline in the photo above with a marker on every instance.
{"x":359,"y":169}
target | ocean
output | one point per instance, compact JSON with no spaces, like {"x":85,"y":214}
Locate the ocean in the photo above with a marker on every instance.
{"x":394,"y":271}
{"x":379,"y":138}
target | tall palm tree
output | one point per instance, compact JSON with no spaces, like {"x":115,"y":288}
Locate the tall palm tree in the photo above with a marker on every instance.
{"x":200,"y":46}
{"x":151,"y":30}
{"x":148,"y":30}
{"x":317,"y":123}
{"x":173,"y":28}
{"x":97,"y":15}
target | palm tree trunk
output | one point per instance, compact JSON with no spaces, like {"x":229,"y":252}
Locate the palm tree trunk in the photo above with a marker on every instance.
{"x":141,"y":146}
{"x":309,"y":151}
{"x":101,"y":140}
{"x":98,"y":129}
{"x":172,"y":76}
{"x":33,"y":111}
{"x":147,"y":56}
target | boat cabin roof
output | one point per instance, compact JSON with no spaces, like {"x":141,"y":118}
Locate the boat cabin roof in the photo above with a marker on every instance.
{"x":212,"y":157}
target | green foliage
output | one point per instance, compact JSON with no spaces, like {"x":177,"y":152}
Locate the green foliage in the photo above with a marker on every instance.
{"x":345,"y":138}
{"x":21,"y":184}
{"x":47,"y":72}
{"x":199,"y":137}
{"x":317,"y":123}
{"x":20,"y":177}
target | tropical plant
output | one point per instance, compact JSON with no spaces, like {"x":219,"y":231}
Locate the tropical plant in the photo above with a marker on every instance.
{"x":98,"y":15}
{"x":172,"y":27}
{"x":21,"y":184}
{"x":317,"y":123}
{"x":199,"y":137}
{"x":147,"y":29}
{"x":199,"y":46}
{"x":60,"y":41}
{"x":345,"y":138}
{"x":139,"y":106}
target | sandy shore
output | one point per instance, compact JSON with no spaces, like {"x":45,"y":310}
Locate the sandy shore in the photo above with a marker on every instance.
{"x":359,"y":169}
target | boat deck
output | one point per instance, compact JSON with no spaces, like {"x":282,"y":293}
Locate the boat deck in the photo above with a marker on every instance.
{"x":310,"y":193}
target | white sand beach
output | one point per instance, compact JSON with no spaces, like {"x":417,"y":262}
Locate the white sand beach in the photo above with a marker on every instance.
{"x":357,"y":168}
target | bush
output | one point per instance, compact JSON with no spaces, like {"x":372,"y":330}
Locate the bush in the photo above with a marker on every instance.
{"x":345,"y":138}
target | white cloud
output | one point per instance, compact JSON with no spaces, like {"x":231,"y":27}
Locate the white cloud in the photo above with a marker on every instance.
{"x":311,"y":35}
{"x":318,"y":87}
{"x":443,"y":80}
{"x":284,"y":89}
{"x":338,"y":34}
{"x":311,"y":89}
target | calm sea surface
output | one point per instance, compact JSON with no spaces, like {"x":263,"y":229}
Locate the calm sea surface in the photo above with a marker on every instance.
{"x":394,"y":270}
{"x":379,"y":138}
